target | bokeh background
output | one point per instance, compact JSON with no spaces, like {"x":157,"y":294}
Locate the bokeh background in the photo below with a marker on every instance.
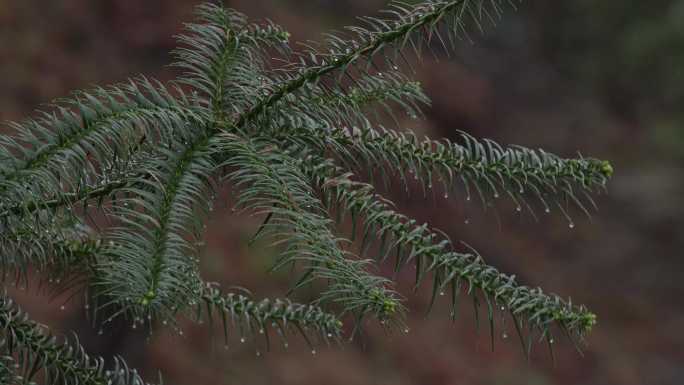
{"x":605,"y":78}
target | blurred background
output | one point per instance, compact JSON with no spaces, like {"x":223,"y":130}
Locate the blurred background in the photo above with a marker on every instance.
{"x":604,"y":78}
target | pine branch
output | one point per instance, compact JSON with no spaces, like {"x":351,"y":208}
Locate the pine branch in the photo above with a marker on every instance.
{"x":7,"y":374}
{"x":423,"y":19}
{"x":224,"y":57}
{"x":41,"y":234}
{"x":432,"y":253}
{"x":253,"y":318}
{"x":272,"y":184}
{"x":66,"y":199}
{"x":37,"y":242}
{"x":234,"y":310}
{"x":148,"y":157}
{"x":483,"y":168}
{"x":61,"y":363}
{"x":55,"y":153}
{"x":338,"y":106}
{"x":154,"y":266}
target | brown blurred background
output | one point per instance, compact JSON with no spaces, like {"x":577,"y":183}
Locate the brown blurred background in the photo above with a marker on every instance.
{"x":603,"y":77}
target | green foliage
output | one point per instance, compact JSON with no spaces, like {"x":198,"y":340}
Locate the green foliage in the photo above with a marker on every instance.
{"x":31,"y":350}
{"x":275,"y":185}
{"x":289,"y":139}
{"x":249,"y":315}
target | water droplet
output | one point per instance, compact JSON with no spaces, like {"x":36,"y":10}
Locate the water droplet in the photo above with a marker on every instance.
{"x":286,"y":345}
{"x":180,"y":332}
{"x":571,"y":225}
{"x":395,"y":68}
{"x":330,"y":335}
{"x":242,"y":340}
{"x":551,"y":341}
{"x":518,"y":209}
{"x":407,"y":330}
{"x":313,"y":351}
{"x":468,"y":198}
{"x":134,"y":326}
{"x":62,"y":308}
{"x":503,"y":308}
{"x":446,"y":196}
{"x":100,"y":332}
{"x":548,"y":210}
{"x":467,"y":221}
{"x":258,"y":354}
{"x":496,"y":195}
{"x":165,"y":322}
{"x":441,"y":293}
{"x":504,"y":335}
{"x":261,"y":331}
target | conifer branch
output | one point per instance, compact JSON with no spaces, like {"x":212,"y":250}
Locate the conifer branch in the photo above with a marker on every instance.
{"x":150,"y":158}
{"x":423,"y":19}
{"x":57,"y":152}
{"x":61,"y":363}
{"x":482,"y":167}
{"x":37,"y":242}
{"x":7,"y":374}
{"x":253,"y":318}
{"x":66,"y":199}
{"x":224,"y":57}
{"x":154,"y":264}
{"x":434,"y":254}
{"x":272,"y":184}
{"x":337,"y":106}
{"x":233,"y":310}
